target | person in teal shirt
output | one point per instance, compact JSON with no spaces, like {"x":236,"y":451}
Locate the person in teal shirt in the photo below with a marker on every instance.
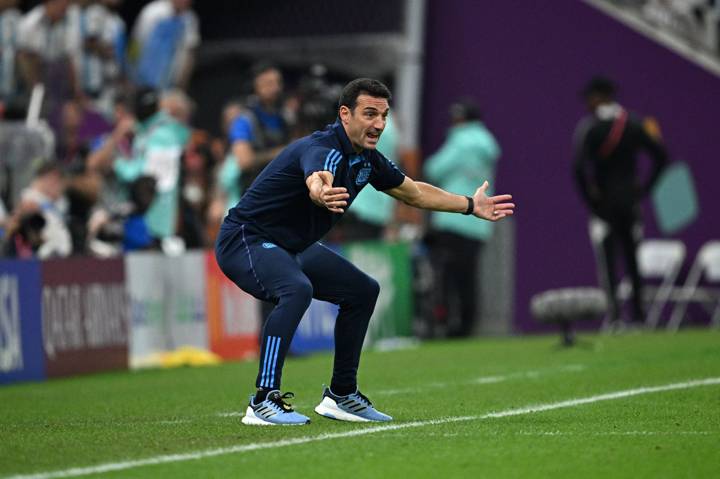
{"x":229,"y":173}
{"x":467,"y":158}
{"x":157,"y":152}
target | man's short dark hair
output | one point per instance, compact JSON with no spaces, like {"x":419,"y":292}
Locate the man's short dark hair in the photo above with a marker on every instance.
{"x":360,"y":86}
{"x":124,"y":99}
{"x":261,"y":67}
{"x":599,"y":85}
{"x":31,"y":223}
{"x":145,"y":103}
{"x":51,"y":167}
{"x":465,"y":109}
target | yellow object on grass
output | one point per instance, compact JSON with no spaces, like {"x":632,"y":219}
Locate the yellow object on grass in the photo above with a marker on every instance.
{"x":187,"y":356}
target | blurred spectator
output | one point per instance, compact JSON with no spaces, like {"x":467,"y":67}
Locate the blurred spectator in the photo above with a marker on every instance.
{"x":104,"y":62}
{"x":694,"y":22}
{"x":3,"y":219}
{"x":136,"y":232}
{"x":607,"y":144}
{"x":27,"y":238}
{"x":157,"y":152}
{"x":195,"y":167}
{"x":226,"y":185}
{"x":111,"y":195}
{"x":82,"y":193}
{"x":123,"y":226}
{"x":261,"y":132}
{"x":105,"y":149}
{"x":23,"y":149}
{"x":675,"y":15}
{"x":258,"y":135}
{"x":92,"y":48}
{"x":77,"y":128}
{"x":177,"y":104}
{"x":195,"y":181}
{"x":466,"y":159}
{"x":228,"y":175}
{"x":49,"y":49}
{"x":316,"y":102}
{"x":372,"y":210}
{"x":9,"y":21}
{"x":164,"y":39}
{"x":45,"y":195}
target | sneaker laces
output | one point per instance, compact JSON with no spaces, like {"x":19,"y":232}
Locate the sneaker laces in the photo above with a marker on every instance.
{"x":278,"y":400}
{"x":362,"y":398}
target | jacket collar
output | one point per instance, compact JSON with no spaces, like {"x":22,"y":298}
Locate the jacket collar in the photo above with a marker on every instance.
{"x":345,"y":144}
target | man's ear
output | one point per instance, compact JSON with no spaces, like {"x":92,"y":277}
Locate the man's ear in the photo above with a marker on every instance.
{"x":345,"y":114}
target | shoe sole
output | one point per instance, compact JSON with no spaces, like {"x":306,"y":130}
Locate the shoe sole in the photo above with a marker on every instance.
{"x":250,"y":419}
{"x":329,"y":409}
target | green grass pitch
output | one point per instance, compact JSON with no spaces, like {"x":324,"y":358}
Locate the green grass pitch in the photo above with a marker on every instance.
{"x":440,"y":394}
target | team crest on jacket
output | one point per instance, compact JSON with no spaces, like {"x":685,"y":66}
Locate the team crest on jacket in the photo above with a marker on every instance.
{"x":363,"y":176}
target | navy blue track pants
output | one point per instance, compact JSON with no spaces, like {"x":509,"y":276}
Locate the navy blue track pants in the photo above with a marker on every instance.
{"x":290,"y":281}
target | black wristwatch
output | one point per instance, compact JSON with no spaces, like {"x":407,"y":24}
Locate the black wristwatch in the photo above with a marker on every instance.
{"x":471,"y":205}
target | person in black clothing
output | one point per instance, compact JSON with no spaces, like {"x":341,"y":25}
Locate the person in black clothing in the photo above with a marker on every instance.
{"x":268,"y":246}
{"x":25,"y":239}
{"x":606,"y":170}
{"x":261,"y":132}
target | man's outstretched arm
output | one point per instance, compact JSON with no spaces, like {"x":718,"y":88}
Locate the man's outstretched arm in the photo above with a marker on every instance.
{"x":429,"y":197}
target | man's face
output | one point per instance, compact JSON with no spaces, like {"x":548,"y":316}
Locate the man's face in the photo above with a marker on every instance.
{"x":268,"y":86}
{"x":56,"y":9}
{"x":112,"y":4}
{"x":5,"y":4}
{"x":71,"y":115}
{"x":181,"y":5}
{"x":229,"y":114}
{"x":366,"y":121}
{"x":54,"y":185}
{"x":594,"y":100}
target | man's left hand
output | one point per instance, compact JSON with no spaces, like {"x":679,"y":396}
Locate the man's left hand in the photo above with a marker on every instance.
{"x":492,"y":208}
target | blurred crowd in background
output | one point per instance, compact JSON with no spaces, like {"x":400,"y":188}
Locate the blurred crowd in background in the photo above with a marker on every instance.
{"x":99,"y":152}
{"x":100,"y":155}
{"x":695,"y":21}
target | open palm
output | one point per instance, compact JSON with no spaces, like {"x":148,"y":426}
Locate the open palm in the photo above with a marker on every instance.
{"x":492,"y":208}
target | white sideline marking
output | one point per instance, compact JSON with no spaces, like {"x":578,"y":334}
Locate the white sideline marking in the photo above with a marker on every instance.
{"x":119,"y":466}
{"x":620,"y":433}
{"x":481,"y":380}
{"x":440,"y":385}
{"x":570,"y":433}
{"x":231,"y":414}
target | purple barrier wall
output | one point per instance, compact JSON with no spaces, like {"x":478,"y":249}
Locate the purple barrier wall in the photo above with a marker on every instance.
{"x":525,"y":63}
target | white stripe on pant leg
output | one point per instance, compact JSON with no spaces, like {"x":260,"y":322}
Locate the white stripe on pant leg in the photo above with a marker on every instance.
{"x":121,"y":466}
{"x":266,"y":360}
{"x":269,"y":366}
{"x":274,"y":362}
{"x":271,"y":369}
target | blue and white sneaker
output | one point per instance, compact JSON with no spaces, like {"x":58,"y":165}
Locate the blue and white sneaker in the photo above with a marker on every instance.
{"x":355,"y":407}
{"x":273,"y":411}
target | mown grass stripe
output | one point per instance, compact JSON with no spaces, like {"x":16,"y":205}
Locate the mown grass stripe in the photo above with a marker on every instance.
{"x":124,"y":465}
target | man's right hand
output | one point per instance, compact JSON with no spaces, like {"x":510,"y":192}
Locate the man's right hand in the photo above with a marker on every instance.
{"x":323,"y":194}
